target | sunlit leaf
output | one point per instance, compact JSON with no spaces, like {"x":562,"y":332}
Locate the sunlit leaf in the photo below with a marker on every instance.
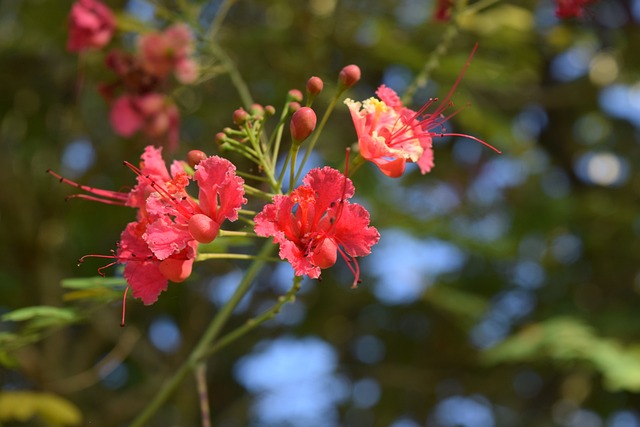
{"x":567,"y":339}
{"x":25,"y":405}
{"x":42,"y":311}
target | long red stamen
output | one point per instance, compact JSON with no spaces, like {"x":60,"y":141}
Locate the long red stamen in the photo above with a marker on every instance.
{"x":106,"y":196}
{"x":163,"y":192}
{"x":430,"y":121}
{"x":124,"y":306}
{"x":473,"y":138}
{"x":355,"y":268}
{"x":96,"y":199}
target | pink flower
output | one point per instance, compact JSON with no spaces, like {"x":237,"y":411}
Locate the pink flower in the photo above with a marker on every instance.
{"x":153,"y":114}
{"x":131,"y":75}
{"x":182,"y":220}
{"x":443,"y":10}
{"x":316,"y":222}
{"x":390,"y":134}
{"x":91,"y":25}
{"x":146,"y":275}
{"x":169,"y":51}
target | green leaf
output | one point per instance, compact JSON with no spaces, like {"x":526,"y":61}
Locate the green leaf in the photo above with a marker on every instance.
{"x":8,"y":361}
{"x":94,"y":288}
{"x":42,"y":311}
{"x":93,"y":282}
{"x":25,"y":405}
{"x":463,"y":305}
{"x":565,"y":339}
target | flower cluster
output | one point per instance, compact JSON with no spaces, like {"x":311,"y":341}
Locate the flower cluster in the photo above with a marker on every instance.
{"x":316,"y":222}
{"x":161,"y":245}
{"x":180,"y":210}
{"x":138,"y":93}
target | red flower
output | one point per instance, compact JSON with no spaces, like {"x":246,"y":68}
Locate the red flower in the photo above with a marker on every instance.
{"x":181,"y":220}
{"x":169,"y":51}
{"x":146,"y":275}
{"x":390,"y":135}
{"x":91,"y":25}
{"x":153,"y":114}
{"x":443,"y":10}
{"x":570,"y":8}
{"x":316,"y":222}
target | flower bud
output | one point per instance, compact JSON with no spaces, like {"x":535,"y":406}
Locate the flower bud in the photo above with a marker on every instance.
{"x":256,"y":110}
{"x":314,"y":86}
{"x":294,"y":106}
{"x":195,"y":156}
{"x":269,"y":110}
{"x":349,"y":76}
{"x":220,"y":137}
{"x":294,"y":95}
{"x":240,"y":116}
{"x":303,"y":122}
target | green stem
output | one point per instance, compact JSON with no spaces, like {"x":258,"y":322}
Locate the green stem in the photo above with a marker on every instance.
{"x":449,"y":34}
{"x":284,"y":169}
{"x":251,"y":324}
{"x":294,"y":155}
{"x":317,"y":133}
{"x":203,"y":393}
{"x":206,"y":256}
{"x":220,"y":15}
{"x":277,"y":135}
{"x":229,"y":233}
{"x":234,"y":74}
{"x":210,"y":334}
{"x":257,"y":193}
{"x":252,"y":176}
{"x":357,"y":162}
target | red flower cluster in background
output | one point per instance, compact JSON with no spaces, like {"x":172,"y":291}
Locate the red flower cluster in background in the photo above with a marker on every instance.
{"x":91,"y":26}
{"x":571,"y":8}
{"x":137,"y":95}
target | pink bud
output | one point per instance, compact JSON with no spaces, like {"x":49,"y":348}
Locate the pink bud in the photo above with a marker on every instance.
{"x":349,"y":76}
{"x":294,"y":106}
{"x":257,"y":110}
{"x":195,"y":156}
{"x":269,"y":110}
{"x":294,"y":95}
{"x":303,"y":122}
{"x":326,"y":255}
{"x":220,"y":137}
{"x":176,"y":270}
{"x":240,"y":116}
{"x":203,"y":228}
{"x":314,"y":86}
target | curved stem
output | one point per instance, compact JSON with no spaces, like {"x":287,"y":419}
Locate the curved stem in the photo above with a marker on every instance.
{"x":203,"y":393}
{"x":210,"y":334}
{"x":220,"y":15}
{"x":253,"y":323}
{"x":234,"y":74}
{"x":449,"y":34}
{"x":317,"y":133}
